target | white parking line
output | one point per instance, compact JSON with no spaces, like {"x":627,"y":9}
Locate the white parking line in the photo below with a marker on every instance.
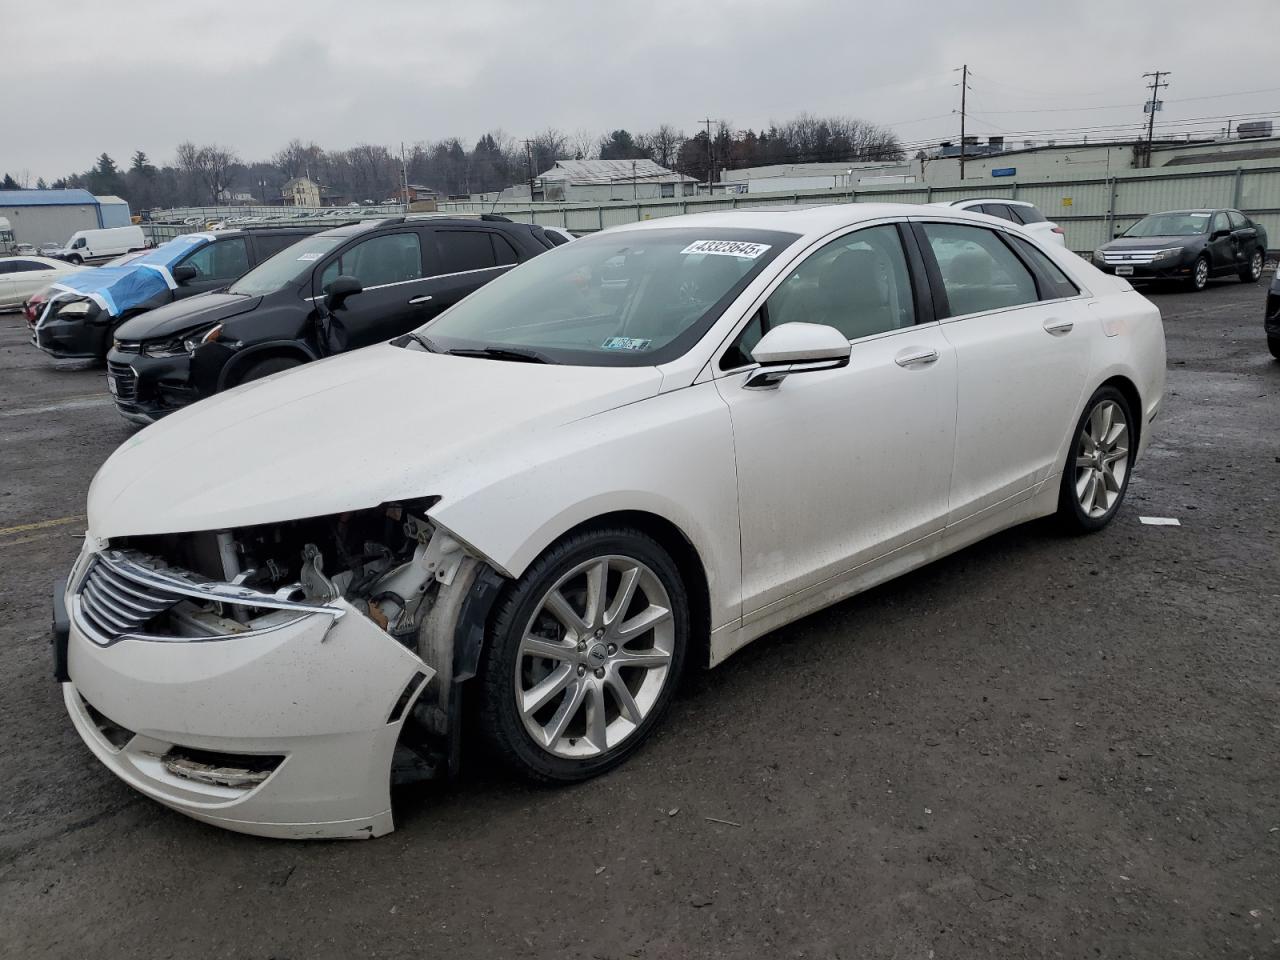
{"x":75,"y":403}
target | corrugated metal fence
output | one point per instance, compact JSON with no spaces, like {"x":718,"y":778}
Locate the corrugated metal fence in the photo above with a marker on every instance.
{"x":1090,"y":207}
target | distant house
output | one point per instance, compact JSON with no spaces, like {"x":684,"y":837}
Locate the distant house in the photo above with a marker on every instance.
{"x":597,"y":180}
{"x":300,"y":192}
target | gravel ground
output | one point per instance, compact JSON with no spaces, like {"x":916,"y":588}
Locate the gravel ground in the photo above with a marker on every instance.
{"x":1038,"y":747}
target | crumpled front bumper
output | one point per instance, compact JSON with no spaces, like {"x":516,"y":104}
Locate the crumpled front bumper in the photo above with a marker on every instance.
{"x":328,"y":695}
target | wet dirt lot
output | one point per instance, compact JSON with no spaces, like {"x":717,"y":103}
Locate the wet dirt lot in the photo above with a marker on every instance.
{"x":1038,"y":747}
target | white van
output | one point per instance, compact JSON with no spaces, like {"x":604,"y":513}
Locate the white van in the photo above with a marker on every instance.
{"x":109,"y":242}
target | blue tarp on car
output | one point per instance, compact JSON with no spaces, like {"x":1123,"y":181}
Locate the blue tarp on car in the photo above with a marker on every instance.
{"x":117,"y":289}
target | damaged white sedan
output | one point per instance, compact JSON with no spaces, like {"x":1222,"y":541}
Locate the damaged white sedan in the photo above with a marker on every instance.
{"x":626,"y":458}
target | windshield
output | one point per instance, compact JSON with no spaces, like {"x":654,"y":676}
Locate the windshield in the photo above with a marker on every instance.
{"x":1170,"y":225}
{"x":287,"y":266}
{"x":632,"y":298}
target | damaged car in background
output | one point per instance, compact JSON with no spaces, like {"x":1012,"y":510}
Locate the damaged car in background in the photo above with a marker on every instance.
{"x":513,"y":528}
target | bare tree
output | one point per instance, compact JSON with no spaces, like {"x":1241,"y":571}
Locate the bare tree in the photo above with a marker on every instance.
{"x":549,"y":146}
{"x":298,"y":159}
{"x":583,"y":144}
{"x":663,"y":145}
{"x":213,"y":164}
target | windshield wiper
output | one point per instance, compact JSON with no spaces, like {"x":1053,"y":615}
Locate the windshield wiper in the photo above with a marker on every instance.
{"x":419,"y":339}
{"x":501,"y":353}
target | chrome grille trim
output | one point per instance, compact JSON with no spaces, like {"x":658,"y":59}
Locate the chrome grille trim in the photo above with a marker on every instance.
{"x":121,"y":592}
{"x":1134,"y":257}
{"x":125,"y":379}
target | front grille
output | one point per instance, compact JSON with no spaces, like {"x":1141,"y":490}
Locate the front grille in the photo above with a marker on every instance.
{"x":115,"y":604}
{"x":125,"y":379}
{"x":1116,"y":258}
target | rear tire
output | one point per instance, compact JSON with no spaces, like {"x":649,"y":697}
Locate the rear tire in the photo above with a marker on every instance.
{"x":571,"y":686}
{"x":265,"y":368}
{"x":1099,"y":461}
{"x":1253,"y":272}
{"x":1273,"y":344}
{"x":1199,"y":278}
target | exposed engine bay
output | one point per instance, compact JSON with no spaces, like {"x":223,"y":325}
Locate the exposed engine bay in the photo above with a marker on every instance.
{"x":411,"y":579}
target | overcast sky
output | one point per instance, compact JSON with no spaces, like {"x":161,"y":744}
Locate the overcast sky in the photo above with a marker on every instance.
{"x":83,"y":76}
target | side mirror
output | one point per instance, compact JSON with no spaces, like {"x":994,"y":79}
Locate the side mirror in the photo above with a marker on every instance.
{"x":184,"y":272}
{"x":337,"y":290}
{"x":797,"y":348}
{"x":1219,"y":234}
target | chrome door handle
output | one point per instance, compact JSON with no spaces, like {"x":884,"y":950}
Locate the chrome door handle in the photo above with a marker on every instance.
{"x":913,"y":357}
{"x":1056,"y":327}
{"x":417,"y":300}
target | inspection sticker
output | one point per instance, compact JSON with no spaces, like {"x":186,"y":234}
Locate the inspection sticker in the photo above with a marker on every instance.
{"x":309,"y":256}
{"x":626,"y":343}
{"x":727,"y":248}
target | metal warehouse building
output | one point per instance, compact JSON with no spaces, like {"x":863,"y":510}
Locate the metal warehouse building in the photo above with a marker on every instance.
{"x":52,"y":216}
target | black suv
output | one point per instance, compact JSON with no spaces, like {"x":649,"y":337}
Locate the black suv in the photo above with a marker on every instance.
{"x":81,"y":316}
{"x":1187,"y":245}
{"x":338,"y":290}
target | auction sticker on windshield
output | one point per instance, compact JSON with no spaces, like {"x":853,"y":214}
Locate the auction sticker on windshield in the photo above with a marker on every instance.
{"x":626,"y":343}
{"x":309,"y":256}
{"x":727,"y":248}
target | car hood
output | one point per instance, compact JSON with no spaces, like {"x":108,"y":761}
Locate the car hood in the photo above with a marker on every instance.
{"x":353,"y":431}
{"x":183,"y":315}
{"x":1150,"y":243}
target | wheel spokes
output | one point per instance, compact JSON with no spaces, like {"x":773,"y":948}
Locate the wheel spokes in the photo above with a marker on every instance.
{"x":644,"y":621}
{"x":597,"y":583}
{"x":627,"y":706}
{"x":623,"y":596}
{"x":597,"y":720}
{"x":559,"y":607}
{"x":568,"y":708}
{"x":542,"y":692}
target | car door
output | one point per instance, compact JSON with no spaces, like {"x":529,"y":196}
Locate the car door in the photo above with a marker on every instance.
{"x":395,"y":282}
{"x":1222,"y":244}
{"x":1022,"y":352}
{"x":1244,"y":236}
{"x":840,"y":467}
{"x":217,"y":265}
{"x":469,"y":258}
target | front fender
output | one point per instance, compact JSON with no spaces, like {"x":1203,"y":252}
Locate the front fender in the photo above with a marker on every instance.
{"x":671,"y":456}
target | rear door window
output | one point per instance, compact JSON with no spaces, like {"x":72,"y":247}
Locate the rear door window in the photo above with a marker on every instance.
{"x":1027,"y":214}
{"x":999,"y":210}
{"x":1059,"y":284}
{"x":463,"y":250}
{"x":268,"y":246}
{"x":1238,"y":222}
{"x":979,"y":272}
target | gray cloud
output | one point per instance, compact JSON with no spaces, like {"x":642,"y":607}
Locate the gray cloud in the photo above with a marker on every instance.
{"x":253,"y":75}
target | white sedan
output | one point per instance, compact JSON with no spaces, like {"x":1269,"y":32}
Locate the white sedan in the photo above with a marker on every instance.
{"x":627,"y":458}
{"x":1026,"y":215}
{"x":20,"y":277}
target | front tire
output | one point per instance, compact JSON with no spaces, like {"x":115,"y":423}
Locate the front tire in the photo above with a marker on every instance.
{"x":265,"y":368}
{"x":1253,"y":272}
{"x":1199,"y":278}
{"x":75,"y":259}
{"x":584,"y":656}
{"x":1096,"y":474}
{"x":1273,"y":344}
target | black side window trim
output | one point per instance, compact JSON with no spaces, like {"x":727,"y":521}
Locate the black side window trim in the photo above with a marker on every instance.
{"x":1046,"y":286}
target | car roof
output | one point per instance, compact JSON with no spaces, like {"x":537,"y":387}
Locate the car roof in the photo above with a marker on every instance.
{"x":1016,"y":203}
{"x":363,"y":226}
{"x":804,"y":220}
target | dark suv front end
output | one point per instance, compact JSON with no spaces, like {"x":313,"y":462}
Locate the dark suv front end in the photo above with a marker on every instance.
{"x":145,"y":385}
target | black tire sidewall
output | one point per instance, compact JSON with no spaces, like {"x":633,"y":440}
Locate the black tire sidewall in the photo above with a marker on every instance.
{"x":265,"y":368}
{"x":499,"y":718}
{"x":1192,"y":283}
{"x":1247,"y":275}
{"x":1273,"y":344}
{"x":1070,"y":513}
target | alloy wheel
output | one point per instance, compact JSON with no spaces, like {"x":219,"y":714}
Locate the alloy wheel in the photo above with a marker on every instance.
{"x":594,"y":658}
{"x":1102,"y":459}
{"x":1255,"y":265}
{"x":1201,"y":277}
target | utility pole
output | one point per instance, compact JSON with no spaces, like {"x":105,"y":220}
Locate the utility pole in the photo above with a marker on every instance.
{"x":528,"y":149}
{"x":711,"y":163}
{"x":1153,"y":105}
{"x":964,"y":89}
{"x":404,"y":177}
{"x":635,"y":192}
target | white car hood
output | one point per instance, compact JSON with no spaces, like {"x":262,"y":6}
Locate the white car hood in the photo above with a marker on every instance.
{"x":350,"y":432}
